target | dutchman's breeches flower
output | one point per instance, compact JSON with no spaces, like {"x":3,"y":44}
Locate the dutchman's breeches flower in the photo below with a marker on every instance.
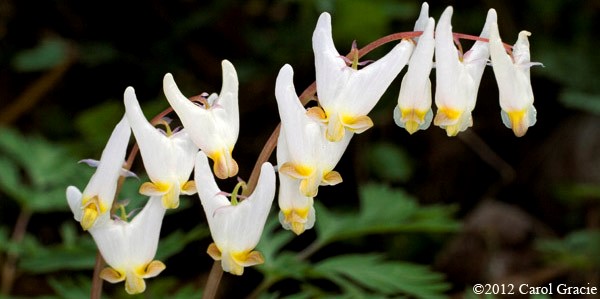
{"x":213,"y":125}
{"x":413,"y":111}
{"x":458,"y":76}
{"x":345,"y":93}
{"x":129,"y":247}
{"x":93,"y":206}
{"x":305,"y":157}
{"x":235,"y":227}
{"x":514,"y":85}
{"x":168,"y":158}
{"x":297,"y":212}
{"x":311,"y":156}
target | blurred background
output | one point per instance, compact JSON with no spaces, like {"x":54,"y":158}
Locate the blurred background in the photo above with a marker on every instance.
{"x":434,"y":214}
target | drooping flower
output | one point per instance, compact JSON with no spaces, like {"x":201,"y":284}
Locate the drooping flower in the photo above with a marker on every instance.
{"x":93,"y":206}
{"x":458,"y":77}
{"x":168,"y":159}
{"x":413,"y":111}
{"x":235,"y":228}
{"x":297,"y":212}
{"x":345,"y":93}
{"x":512,"y":76}
{"x":213,"y":126}
{"x":311,"y":156}
{"x":129,"y":247}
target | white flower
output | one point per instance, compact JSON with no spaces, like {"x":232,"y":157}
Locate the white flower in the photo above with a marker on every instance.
{"x":93,"y":206}
{"x":346,"y":94}
{"x":235,"y":229}
{"x":129,"y":247}
{"x":311,"y":156}
{"x":512,"y":75}
{"x":169,"y":160}
{"x":457,"y":78}
{"x":413,"y":111}
{"x":214,"y":126}
{"x":297,"y":212}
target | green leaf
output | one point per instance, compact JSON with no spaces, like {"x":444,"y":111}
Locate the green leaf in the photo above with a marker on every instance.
{"x":48,"y":54}
{"x":384,"y":210}
{"x":176,"y":241}
{"x":273,"y":238}
{"x":78,"y":254}
{"x":578,"y":250}
{"x":72,"y":287}
{"x":388,"y":162}
{"x":48,"y":168}
{"x":378,"y":276}
{"x":588,"y":102}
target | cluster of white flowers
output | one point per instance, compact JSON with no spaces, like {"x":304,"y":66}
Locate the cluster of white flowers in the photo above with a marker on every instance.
{"x":310,"y":144}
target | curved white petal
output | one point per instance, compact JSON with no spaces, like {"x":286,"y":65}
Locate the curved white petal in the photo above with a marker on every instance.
{"x":331,"y":69}
{"x":155,"y":147}
{"x":302,"y":133}
{"x":514,"y":85}
{"x":74,"y":197}
{"x":414,"y":99}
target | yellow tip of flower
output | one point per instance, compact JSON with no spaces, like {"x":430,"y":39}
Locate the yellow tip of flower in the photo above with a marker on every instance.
{"x":296,"y":218}
{"x":225,"y":166}
{"x":92,"y":208}
{"x":411,"y":126}
{"x":90,"y":214}
{"x":134,"y":284}
{"x":518,"y":123}
{"x":451,"y":120}
{"x":297,"y":227}
{"x":447,"y":116}
{"x":452,"y":130}
{"x":357,"y":124}
{"x":170,"y":200}
{"x":214,"y":252}
{"x":413,"y":119}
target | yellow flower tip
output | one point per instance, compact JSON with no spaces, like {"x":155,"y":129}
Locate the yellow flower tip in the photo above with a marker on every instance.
{"x":335,"y":129}
{"x":518,"y":122}
{"x":317,"y":113}
{"x":189,"y":188}
{"x":357,"y":124}
{"x":411,"y":127}
{"x":235,"y":269}
{"x":111,"y":275}
{"x":247,"y":259}
{"x":170,"y":200}
{"x":154,"y":189}
{"x":297,"y":171}
{"x":332,"y":178}
{"x":309,"y":186}
{"x":296,"y":218}
{"x":447,"y":116}
{"x":297,"y":227}
{"x":451,"y":120}
{"x":134,"y":284}
{"x":412,"y":118}
{"x":225,"y":166}
{"x":214,"y":252}
{"x":153,"y":269}
{"x":92,"y":208}
{"x":452,"y":130}
{"x":90,"y":214}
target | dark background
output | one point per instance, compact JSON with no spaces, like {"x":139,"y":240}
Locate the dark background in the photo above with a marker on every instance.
{"x":62,"y":61}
